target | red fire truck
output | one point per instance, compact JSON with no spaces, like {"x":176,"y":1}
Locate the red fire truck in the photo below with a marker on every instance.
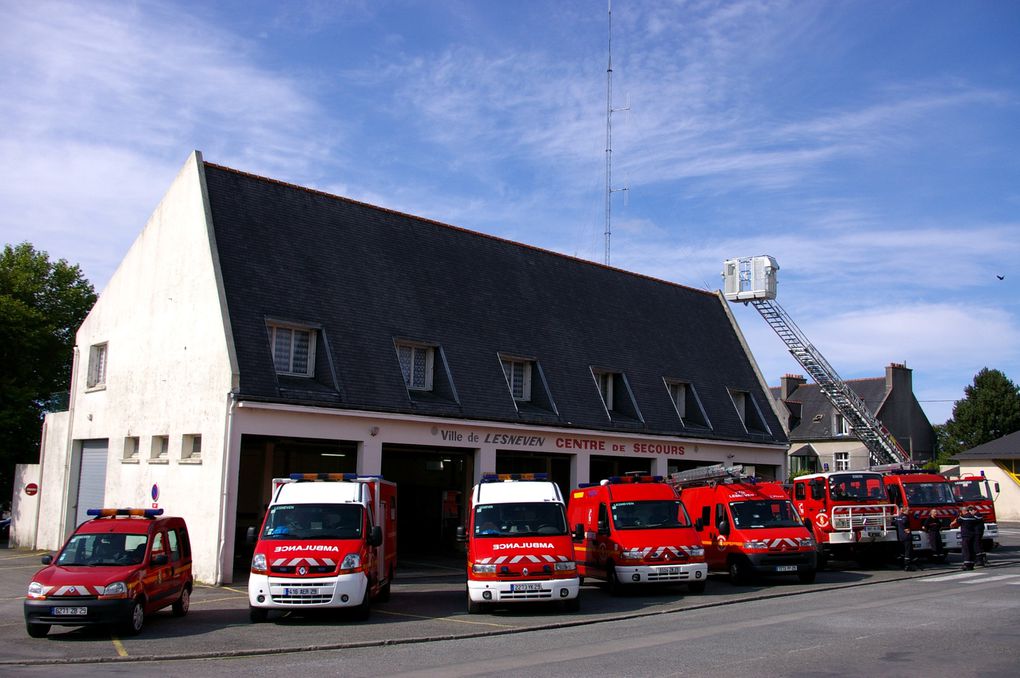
{"x":849,"y":514}
{"x":747,"y":527}
{"x":518,"y":546}
{"x":916,"y":492}
{"x":977,"y":491}
{"x":635,"y":531}
{"x":329,"y":540}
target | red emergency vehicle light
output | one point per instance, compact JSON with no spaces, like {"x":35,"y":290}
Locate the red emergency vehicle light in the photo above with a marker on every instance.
{"x":500,"y":477}
{"x":327,"y":476}
{"x":111,"y":512}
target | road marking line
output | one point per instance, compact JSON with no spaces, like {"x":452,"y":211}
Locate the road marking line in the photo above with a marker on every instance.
{"x":985,"y":579}
{"x":34,"y":554}
{"x":211,"y":600}
{"x":119,"y":646}
{"x":954,"y":577}
{"x":449,"y":619}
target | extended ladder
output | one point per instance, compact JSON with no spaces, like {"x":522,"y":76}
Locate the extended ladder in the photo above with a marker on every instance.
{"x":882,"y":447}
{"x":705,"y":474}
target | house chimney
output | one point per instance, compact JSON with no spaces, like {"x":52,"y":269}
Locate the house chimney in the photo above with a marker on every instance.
{"x":899,"y":377}
{"x":790,"y":383}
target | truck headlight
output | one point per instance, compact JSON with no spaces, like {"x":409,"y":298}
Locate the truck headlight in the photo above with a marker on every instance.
{"x":806,"y":541}
{"x":258,"y":563}
{"x":117,"y":589}
{"x":566,"y":565}
{"x":631,"y":554}
{"x":755,"y":545}
{"x":351,"y":562}
{"x":697,"y":552}
{"x":483,"y":568}
{"x":36,"y":590}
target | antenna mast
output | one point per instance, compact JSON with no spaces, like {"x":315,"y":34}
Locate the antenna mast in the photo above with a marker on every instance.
{"x":609,"y":138}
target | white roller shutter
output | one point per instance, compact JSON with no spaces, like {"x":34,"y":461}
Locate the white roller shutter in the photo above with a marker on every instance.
{"x":92,"y":478}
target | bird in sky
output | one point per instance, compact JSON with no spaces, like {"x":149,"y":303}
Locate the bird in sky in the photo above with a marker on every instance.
{"x":1000,"y":277}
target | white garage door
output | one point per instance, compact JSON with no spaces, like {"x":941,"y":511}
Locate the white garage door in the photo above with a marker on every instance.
{"x":92,"y":478}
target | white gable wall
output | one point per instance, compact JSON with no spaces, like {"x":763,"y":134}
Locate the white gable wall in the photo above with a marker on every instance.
{"x":170,"y":371}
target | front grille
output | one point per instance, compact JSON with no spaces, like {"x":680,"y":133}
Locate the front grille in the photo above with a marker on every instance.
{"x":525,"y":595}
{"x":656,"y":575}
{"x":311,"y":594}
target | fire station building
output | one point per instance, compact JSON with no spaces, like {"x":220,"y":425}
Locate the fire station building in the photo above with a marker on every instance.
{"x":257,"y":328}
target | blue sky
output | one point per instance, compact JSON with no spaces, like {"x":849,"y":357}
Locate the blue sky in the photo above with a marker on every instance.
{"x":871,"y":147}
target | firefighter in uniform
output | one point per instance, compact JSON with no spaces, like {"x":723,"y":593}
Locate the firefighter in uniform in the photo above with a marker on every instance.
{"x":933,"y":527}
{"x":972,"y":528}
{"x":902,"y":522}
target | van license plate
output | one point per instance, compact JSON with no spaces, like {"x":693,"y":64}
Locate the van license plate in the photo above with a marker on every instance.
{"x":525,"y":587}
{"x":69,"y":611}
{"x":786,"y":568}
{"x":669,"y":570}
{"x":300,"y":592}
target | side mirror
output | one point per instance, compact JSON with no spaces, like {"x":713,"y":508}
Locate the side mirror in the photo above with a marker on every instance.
{"x":578,"y":532}
{"x":47,"y":559}
{"x":249,"y":536}
{"x":603,"y":528}
{"x":159,"y":560}
{"x":699,"y":525}
{"x":996,"y":487}
{"x":724,"y":527}
{"x":461,"y":534}
{"x":375,"y":536}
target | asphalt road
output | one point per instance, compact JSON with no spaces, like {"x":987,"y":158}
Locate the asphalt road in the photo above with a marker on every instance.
{"x":873,"y":620}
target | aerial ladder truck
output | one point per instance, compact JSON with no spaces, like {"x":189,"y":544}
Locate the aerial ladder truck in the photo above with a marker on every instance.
{"x":752,"y":280}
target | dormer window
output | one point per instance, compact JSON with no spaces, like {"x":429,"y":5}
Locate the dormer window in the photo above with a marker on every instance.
{"x":616,"y":396}
{"x":518,"y":377}
{"x":747,"y":410}
{"x":417,"y":365}
{"x":293,"y":349}
{"x":685,"y":400}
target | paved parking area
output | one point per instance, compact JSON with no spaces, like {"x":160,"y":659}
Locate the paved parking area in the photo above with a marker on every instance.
{"x":428,"y":603}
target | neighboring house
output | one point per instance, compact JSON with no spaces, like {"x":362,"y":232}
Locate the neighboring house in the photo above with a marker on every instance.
{"x":257,"y":328}
{"x":820,"y":437}
{"x":999,"y":461}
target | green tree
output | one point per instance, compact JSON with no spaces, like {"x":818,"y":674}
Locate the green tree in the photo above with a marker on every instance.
{"x":42,"y":303}
{"x":989,"y":410}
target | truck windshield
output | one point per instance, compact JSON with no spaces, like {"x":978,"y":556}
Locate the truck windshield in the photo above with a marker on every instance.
{"x":857,"y":487}
{"x":313,"y":521}
{"x":519,"y":520}
{"x":928,"y":494}
{"x":649,"y":515}
{"x":104,"y":549}
{"x":971,"y":490}
{"x":764,"y":513}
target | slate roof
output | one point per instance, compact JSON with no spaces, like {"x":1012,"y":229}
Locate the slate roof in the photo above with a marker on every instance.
{"x":1006,"y":447}
{"x":366,"y":276}
{"x":812,"y":402}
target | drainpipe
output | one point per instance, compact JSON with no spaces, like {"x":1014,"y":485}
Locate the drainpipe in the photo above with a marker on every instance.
{"x":225,"y":470}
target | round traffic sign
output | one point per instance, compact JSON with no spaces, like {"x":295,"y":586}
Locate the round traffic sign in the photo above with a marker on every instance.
{"x":31,"y":489}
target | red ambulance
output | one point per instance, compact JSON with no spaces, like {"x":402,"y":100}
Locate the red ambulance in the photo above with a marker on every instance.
{"x":977,"y":491}
{"x":636,"y":531}
{"x":849,"y":514}
{"x":115,"y":569}
{"x":747,"y":527}
{"x":519,"y":549}
{"x":329,"y":540}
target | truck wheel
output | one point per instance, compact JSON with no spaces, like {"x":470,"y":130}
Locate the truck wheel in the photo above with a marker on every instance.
{"x":738,"y":572}
{"x":807,"y":576}
{"x":384,"y":591}
{"x":613,"y":585}
{"x":572,"y":604}
{"x":696,"y":586}
{"x":257,"y":615}
{"x":823,"y":559}
{"x":362,"y":611}
{"x":181,"y":605}
{"x":37,"y":630}
{"x":135,"y":622}
{"x":988,"y":545}
{"x":475,"y":607}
